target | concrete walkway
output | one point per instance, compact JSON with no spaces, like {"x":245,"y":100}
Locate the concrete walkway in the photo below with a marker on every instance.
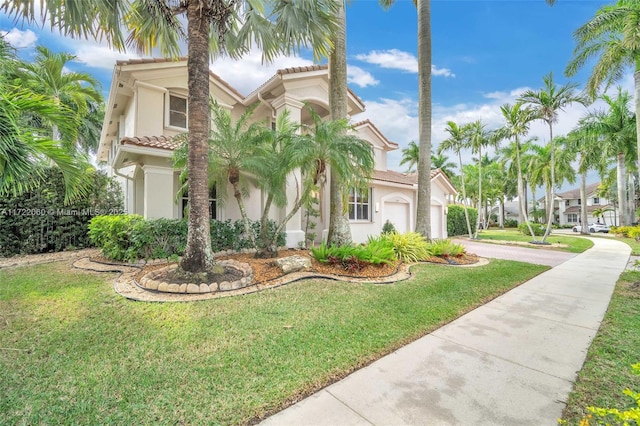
{"x":510,"y":362}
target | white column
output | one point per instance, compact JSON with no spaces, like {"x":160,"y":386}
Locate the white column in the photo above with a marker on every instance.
{"x":158,"y":192}
{"x":294,"y":232}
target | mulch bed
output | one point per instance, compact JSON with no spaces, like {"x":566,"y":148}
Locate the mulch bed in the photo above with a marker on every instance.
{"x":265,"y":270}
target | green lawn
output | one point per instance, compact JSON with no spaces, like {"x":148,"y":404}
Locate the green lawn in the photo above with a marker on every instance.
{"x":607,"y":369}
{"x":574,"y":245}
{"x":73,"y":352}
{"x":635,"y":245}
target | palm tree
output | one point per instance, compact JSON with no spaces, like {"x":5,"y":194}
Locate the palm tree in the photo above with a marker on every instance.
{"x":410,"y":155}
{"x":612,"y":36}
{"x":587,"y":146}
{"x":477,"y":138}
{"x":542,"y":171}
{"x":423,"y":217}
{"x":23,"y":148}
{"x":615,"y":132}
{"x":441,"y":161}
{"x":517,"y":121}
{"x":48,"y":75}
{"x":546,"y":103}
{"x":212,"y":27}
{"x":456,"y":143}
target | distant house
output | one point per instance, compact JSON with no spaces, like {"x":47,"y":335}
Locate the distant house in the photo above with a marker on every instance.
{"x":147,"y":107}
{"x":567,"y":206}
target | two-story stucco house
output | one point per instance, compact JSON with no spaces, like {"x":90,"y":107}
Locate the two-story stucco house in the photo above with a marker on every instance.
{"x":568,"y":206}
{"x":147,"y":106}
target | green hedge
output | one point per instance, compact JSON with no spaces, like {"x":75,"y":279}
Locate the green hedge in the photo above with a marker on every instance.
{"x":456,"y":222}
{"x":38,"y":221}
{"x":538,"y":229}
{"x":130,"y":237}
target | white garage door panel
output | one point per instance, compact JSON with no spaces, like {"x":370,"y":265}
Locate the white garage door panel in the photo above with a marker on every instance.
{"x":398,"y":215}
{"x":436,"y":222}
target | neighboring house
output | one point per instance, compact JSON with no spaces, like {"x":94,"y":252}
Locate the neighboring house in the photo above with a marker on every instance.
{"x":147,"y":106}
{"x":567,"y":207}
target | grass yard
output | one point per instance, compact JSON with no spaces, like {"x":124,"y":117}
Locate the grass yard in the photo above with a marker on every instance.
{"x":573,"y":244}
{"x":607,"y":369}
{"x":72,"y":351}
{"x":631,"y":242}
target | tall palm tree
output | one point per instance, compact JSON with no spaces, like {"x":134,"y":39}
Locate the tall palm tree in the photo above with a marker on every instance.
{"x":615,"y":131}
{"x":212,"y":27}
{"x":552,"y":174}
{"x":410,"y":156}
{"x":48,"y":75}
{"x":456,"y":142}
{"x":423,"y":216}
{"x":612,"y":36}
{"x":477,"y":138}
{"x":24,"y":149}
{"x":547,"y":102}
{"x":517,"y":118}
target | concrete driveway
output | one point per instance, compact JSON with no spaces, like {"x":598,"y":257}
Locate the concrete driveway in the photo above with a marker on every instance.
{"x":539,"y":256}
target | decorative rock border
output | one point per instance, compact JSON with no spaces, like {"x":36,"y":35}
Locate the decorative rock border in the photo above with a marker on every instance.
{"x":150,"y":282}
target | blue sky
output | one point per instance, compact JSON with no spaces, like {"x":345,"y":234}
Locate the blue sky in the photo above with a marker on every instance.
{"x":485,"y":52}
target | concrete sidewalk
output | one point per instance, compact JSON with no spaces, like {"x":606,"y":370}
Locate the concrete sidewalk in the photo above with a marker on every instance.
{"x":510,"y":362}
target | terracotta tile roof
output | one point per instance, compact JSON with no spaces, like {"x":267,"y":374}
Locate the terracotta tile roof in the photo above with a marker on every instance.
{"x":137,"y":61}
{"x":369,"y":122}
{"x":161,"y":142}
{"x":574,"y":194}
{"x":180,"y":59}
{"x":590,"y":209}
{"x":395,"y":177}
{"x":414,"y":175}
{"x":293,"y":70}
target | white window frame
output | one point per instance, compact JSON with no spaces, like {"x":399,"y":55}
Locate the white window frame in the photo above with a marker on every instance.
{"x":167,"y":111}
{"x":213,"y":203}
{"x":357,"y":196}
{"x":573,"y":216}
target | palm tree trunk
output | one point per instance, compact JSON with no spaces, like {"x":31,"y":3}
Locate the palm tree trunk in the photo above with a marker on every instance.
{"x":464,"y":197}
{"x":583,"y":204}
{"x":522,"y":200}
{"x":198,"y":256}
{"x":622,"y":197}
{"x":479,"y":190}
{"x":339,"y":229}
{"x":553,"y":184}
{"x":423,"y":214}
{"x":636,"y":79}
{"x":243,"y":212}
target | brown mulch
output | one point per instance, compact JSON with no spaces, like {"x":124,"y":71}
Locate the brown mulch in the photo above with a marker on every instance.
{"x":265,"y":270}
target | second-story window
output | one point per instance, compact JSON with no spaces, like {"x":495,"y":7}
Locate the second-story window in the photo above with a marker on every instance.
{"x":177,"y":111}
{"x":596,"y":201}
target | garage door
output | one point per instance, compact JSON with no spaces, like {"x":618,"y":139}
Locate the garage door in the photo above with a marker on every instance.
{"x":398,"y":215}
{"x":436,"y":222}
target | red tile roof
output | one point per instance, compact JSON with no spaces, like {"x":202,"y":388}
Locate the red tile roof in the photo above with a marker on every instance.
{"x":369,"y":122}
{"x":161,"y":142}
{"x":180,"y":59}
{"x":394,"y":177}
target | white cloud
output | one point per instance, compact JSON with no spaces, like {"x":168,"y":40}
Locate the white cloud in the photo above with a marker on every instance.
{"x":446,"y":72}
{"x":360,"y":77}
{"x":20,"y":39}
{"x":100,"y":56}
{"x":400,"y":60}
{"x":249,"y":73}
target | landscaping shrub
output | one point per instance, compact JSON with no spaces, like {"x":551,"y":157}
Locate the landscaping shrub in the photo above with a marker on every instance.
{"x":626,"y":231}
{"x":38,"y":221}
{"x":130,"y":237}
{"x":511,"y":223}
{"x":354,"y":258}
{"x":409,"y":247}
{"x":456,"y":222}
{"x":388,"y":227}
{"x":538,"y":229}
{"x":446,"y":248}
